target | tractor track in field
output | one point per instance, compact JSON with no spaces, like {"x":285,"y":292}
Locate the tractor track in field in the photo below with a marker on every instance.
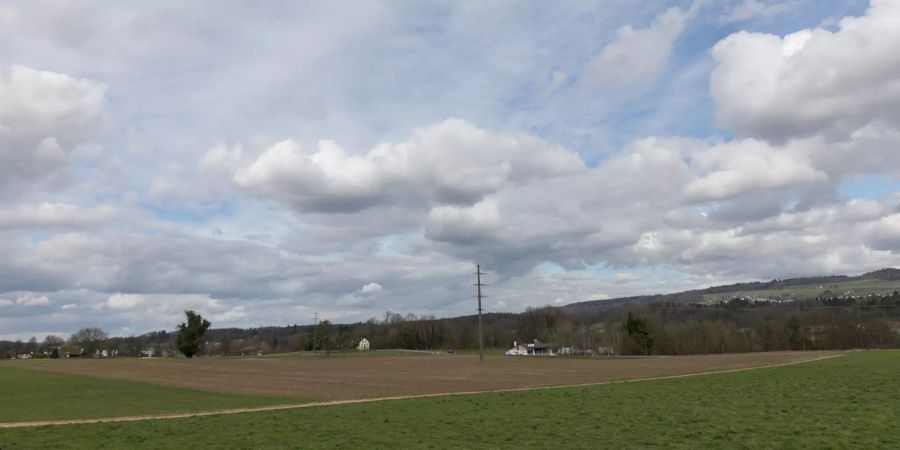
{"x":283,"y":407}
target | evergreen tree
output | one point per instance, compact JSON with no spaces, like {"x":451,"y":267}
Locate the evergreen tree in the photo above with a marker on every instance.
{"x":190,"y":333}
{"x":638,"y":330}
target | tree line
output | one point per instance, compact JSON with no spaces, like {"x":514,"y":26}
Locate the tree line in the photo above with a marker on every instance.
{"x":660,"y":328}
{"x":95,"y":342}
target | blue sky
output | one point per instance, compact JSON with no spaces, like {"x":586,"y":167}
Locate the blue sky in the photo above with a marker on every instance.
{"x":873,"y":187}
{"x":260,"y":163}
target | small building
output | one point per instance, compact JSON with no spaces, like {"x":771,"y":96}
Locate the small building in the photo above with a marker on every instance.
{"x":363,"y":345}
{"x":535,"y":349}
{"x":540,"y":349}
{"x":517,"y":350}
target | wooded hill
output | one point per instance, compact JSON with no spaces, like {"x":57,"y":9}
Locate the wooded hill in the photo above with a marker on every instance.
{"x":889,"y":278}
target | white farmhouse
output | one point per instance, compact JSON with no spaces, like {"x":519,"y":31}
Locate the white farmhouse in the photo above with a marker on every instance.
{"x":363,"y":345}
{"x":535,"y":349}
{"x":517,"y":350}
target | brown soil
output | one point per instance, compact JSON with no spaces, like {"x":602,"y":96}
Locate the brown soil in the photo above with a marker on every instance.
{"x":344,"y":378}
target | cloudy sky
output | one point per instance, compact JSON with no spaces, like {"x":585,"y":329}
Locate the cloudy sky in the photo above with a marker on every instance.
{"x":262,"y":162}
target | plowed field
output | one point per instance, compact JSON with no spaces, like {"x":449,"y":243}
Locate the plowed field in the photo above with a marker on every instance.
{"x":337,"y":378}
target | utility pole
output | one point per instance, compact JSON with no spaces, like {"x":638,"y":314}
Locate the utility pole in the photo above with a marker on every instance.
{"x":315,"y":328}
{"x":618,"y":345}
{"x":478,"y":285}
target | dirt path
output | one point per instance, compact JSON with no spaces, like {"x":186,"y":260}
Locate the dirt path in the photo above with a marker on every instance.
{"x":379,"y":399}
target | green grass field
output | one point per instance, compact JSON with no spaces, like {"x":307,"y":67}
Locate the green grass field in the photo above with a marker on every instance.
{"x":31,"y":396}
{"x":809,"y":291}
{"x":847,"y":402}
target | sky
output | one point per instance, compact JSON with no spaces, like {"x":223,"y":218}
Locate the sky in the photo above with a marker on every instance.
{"x":261,"y":162}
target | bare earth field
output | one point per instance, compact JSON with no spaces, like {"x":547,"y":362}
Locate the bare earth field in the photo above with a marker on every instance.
{"x":323,"y":378}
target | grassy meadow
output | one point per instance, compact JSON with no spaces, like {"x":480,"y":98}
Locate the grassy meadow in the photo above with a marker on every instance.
{"x":846,"y":402}
{"x":29,"y":395}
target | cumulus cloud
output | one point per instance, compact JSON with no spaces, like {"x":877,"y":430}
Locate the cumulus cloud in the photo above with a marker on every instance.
{"x":124,"y":301}
{"x":43,"y":115}
{"x":371,"y":288}
{"x":737,"y":167}
{"x":451,"y":162}
{"x":812,"y":81}
{"x":463,"y":224}
{"x":884,"y":233}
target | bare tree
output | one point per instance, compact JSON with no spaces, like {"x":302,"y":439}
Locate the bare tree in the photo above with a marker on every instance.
{"x":89,"y":339}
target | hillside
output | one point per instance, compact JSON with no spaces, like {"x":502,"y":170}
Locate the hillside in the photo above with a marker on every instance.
{"x":876,"y":282}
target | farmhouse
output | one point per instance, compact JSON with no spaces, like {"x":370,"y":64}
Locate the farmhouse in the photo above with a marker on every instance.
{"x":363,"y":345}
{"x":535,"y":349}
{"x":517,"y":350}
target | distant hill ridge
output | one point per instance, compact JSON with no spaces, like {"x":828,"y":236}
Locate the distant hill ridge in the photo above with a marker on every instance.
{"x":886,"y":274}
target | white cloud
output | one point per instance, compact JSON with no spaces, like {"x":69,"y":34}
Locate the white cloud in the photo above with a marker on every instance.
{"x":812,"y":81}
{"x":742,"y":166}
{"x":232,"y":315}
{"x":4,"y":302}
{"x":69,"y":306}
{"x":371,"y":288}
{"x":463,"y":224}
{"x":451,"y":162}
{"x":124,"y":301}
{"x":43,"y":115}
{"x":637,"y":56}
{"x":32,"y":299}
